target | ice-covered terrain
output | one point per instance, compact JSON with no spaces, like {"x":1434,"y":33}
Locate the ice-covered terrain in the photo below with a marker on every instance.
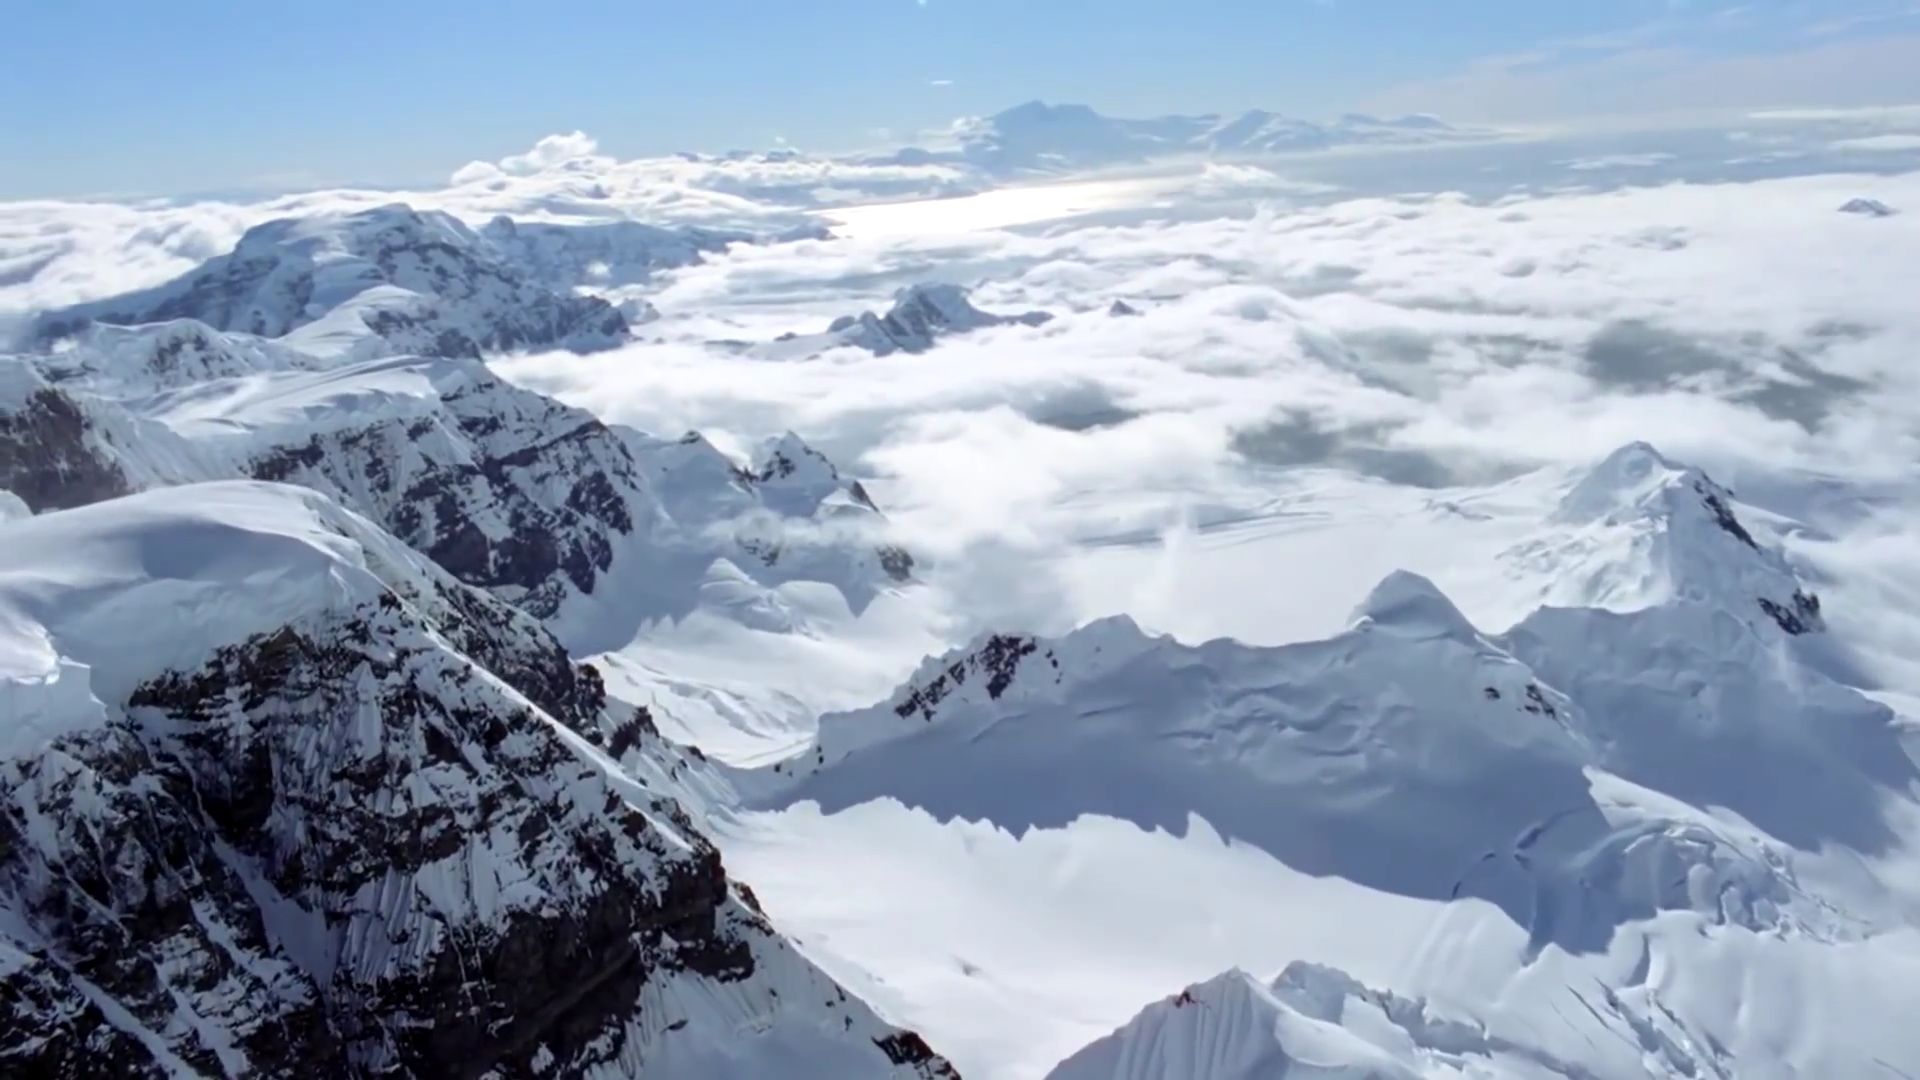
{"x":668,"y":618}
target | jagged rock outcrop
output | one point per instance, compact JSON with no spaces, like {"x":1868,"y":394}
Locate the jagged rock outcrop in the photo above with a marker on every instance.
{"x":921,"y":313}
{"x":1867,"y":208}
{"x":61,"y":447}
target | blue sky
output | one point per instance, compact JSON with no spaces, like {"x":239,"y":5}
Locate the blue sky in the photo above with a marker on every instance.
{"x":192,"y":95}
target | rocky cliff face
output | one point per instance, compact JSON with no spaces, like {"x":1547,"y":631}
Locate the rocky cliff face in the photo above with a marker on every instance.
{"x":366,"y":832}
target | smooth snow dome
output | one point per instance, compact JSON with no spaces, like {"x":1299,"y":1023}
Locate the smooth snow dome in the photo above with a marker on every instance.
{"x":1208,"y":596}
{"x":97,"y":584}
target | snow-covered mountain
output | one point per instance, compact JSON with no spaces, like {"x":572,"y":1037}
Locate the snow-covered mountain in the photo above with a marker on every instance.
{"x":394,"y":280}
{"x":593,"y":528}
{"x":614,"y":252}
{"x":1664,"y":760}
{"x":363,"y":709}
{"x":418,"y":282}
{"x":286,"y":798}
{"x":920,"y":315}
{"x":1638,"y":531}
{"x":1039,"y":137}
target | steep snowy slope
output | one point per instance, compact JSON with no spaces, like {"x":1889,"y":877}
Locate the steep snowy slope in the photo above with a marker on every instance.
{"x":390,"y":279}
{"x":284,"y":799}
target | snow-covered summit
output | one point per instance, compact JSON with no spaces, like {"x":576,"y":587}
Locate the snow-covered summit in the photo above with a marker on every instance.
{"x":106,"y":584}
{"x":1636,"y":531}
{"x":442,"y":289}
{"x":1417,"y":754}
{"x":1405,"y":604}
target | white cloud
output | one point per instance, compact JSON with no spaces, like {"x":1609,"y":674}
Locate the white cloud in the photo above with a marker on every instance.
{"x":552,"y":150}
{"x":59,"y":252}
{"x":1411,"y":338}
{"x":1878,"y":144}
{"x":1416,"y":338}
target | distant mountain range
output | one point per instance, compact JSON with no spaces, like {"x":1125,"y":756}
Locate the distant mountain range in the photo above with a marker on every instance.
{"x":1038,"y":137}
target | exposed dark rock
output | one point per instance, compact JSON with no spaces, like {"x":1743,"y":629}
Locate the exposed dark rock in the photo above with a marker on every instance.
{"x":1867,"y":208}
{"x":1803,"y":617}
{"x":908,"y":1048}
{"x":1723,"y":515}
{"x":896,"y":561}
{"x":997,"y":660}
{"x":48,"y":456}
{"x":321,"y":763}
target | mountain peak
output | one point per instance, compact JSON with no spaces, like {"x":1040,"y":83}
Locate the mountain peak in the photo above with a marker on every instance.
{"x":1868,"y":208}
{"x":920,"y":313}
{"x":1638,"y":529}
{"x":1621,"y":479}
{"x":441,"y":289}
{"x":1407,"y":604}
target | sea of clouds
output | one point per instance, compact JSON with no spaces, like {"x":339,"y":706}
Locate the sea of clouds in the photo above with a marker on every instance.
{"x":1404,"y":332}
